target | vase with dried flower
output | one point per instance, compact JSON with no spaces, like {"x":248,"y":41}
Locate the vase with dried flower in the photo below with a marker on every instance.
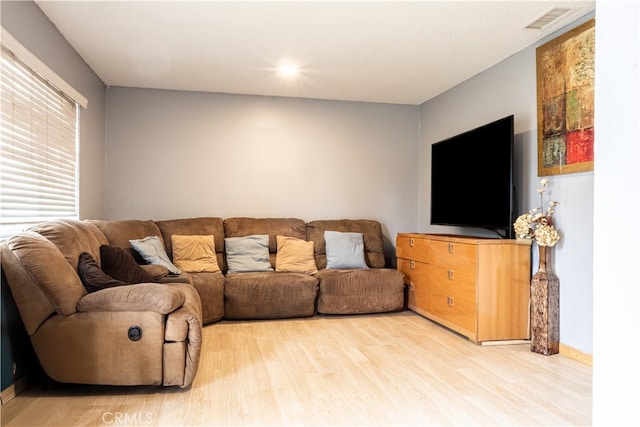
{"x":537,"y":224}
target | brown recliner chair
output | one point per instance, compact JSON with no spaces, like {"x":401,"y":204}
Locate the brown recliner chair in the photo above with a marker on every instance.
{"x":142,"y":334}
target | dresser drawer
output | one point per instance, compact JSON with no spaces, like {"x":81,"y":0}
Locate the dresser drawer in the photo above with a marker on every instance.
{"x":415,"y":278}
{"x":455,"y":311}
{"x":412,"y":270}
{"x":457,"y":283}
{"x":450,"y":254}
{"x":414,"y":248}
{"x":453,"y":255}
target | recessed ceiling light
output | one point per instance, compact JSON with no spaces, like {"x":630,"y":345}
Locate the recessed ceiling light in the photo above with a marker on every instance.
{"x":288,"y":69}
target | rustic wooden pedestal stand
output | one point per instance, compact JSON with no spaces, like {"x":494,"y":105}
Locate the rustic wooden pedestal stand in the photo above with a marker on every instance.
{"x":545,"y":306}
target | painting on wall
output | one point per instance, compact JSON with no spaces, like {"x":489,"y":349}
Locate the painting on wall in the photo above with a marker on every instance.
{"x":565,"y":72}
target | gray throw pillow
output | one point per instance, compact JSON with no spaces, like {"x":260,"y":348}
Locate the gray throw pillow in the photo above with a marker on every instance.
{"x":248,"y":253}
{"x":344,"y":250}
{"x":152,"y":251}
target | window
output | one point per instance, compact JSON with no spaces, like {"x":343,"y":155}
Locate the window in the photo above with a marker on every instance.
{"x":38,"y":144}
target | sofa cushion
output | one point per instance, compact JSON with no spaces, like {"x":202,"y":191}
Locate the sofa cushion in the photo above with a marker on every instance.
{"x":248,"y":253}
{"x":152,"y":251}
{"x":194,"y":254}
{"x":119,"y":264}
{"x":269,"y":295}
{"x":295,"y":256}
{"x":210,"y":287}
{"x":158,"y":272}
{"x":92,"y":276}
{"x":344,"y":250}
{"x":374,"y":290}
{"x":144,"y":297}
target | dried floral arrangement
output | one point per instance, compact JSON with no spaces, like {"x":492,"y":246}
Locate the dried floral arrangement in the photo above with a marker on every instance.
{"x":538,"y":224}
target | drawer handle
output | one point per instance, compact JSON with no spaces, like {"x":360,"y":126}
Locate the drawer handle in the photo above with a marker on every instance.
{"x":450,"y":301}
{"x":450,"y":248}
{"x":410,"y":243}
{"x":412,"y":264}
{"x":450,"y":274}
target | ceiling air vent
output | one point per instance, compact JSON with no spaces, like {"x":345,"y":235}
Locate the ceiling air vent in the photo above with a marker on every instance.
{"x":547,"y":18}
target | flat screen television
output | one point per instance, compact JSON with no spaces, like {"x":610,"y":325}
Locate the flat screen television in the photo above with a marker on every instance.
{"x":472,"y":179}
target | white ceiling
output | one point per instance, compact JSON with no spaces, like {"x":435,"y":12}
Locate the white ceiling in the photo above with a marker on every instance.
{"x":372,"y":51}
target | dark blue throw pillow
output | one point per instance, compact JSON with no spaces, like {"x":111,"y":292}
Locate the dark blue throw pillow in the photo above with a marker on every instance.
{"x":92,"y":276}
{"x":120,"y":264}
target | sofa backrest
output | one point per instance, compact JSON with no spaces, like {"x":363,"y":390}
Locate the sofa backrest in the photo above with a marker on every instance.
{"x":195,"y":226}
{"x":241,"y":226}
{"x":72,"y":238}
{"x":119,"y":232}
{"x":371,"y":230}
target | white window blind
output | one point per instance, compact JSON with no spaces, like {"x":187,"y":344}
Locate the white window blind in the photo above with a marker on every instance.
{"x":38,"y":146}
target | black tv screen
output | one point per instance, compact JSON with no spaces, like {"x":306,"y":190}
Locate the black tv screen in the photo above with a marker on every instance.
{"x":472,"y":178}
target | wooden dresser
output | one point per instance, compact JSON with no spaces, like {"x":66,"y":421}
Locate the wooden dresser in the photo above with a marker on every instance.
{"x":478,"y":287}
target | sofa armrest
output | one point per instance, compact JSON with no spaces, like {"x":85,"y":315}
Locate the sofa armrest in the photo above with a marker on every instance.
{"x":139,"y":297}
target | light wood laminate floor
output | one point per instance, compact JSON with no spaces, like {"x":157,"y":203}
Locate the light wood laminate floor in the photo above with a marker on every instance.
{"x":384,"y":369}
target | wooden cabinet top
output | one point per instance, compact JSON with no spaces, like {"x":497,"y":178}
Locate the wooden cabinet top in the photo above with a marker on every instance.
{"x":466,"y":239}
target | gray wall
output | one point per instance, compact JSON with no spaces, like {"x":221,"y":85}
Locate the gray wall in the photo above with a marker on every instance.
{"x":510,"y":88}
{"x":175,"y":154}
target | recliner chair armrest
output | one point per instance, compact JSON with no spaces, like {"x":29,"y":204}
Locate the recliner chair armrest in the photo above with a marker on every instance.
{"x":139,"y":297}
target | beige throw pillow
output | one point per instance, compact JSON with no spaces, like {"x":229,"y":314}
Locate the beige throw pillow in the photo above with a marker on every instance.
{"x":295,"y":256}
{"x":194,"y":254}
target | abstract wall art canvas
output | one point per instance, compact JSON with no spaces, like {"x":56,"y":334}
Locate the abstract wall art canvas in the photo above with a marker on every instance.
{"x":565,"y":73}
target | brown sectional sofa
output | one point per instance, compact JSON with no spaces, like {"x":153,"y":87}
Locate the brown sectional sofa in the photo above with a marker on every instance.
{"x":82,"y":337}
